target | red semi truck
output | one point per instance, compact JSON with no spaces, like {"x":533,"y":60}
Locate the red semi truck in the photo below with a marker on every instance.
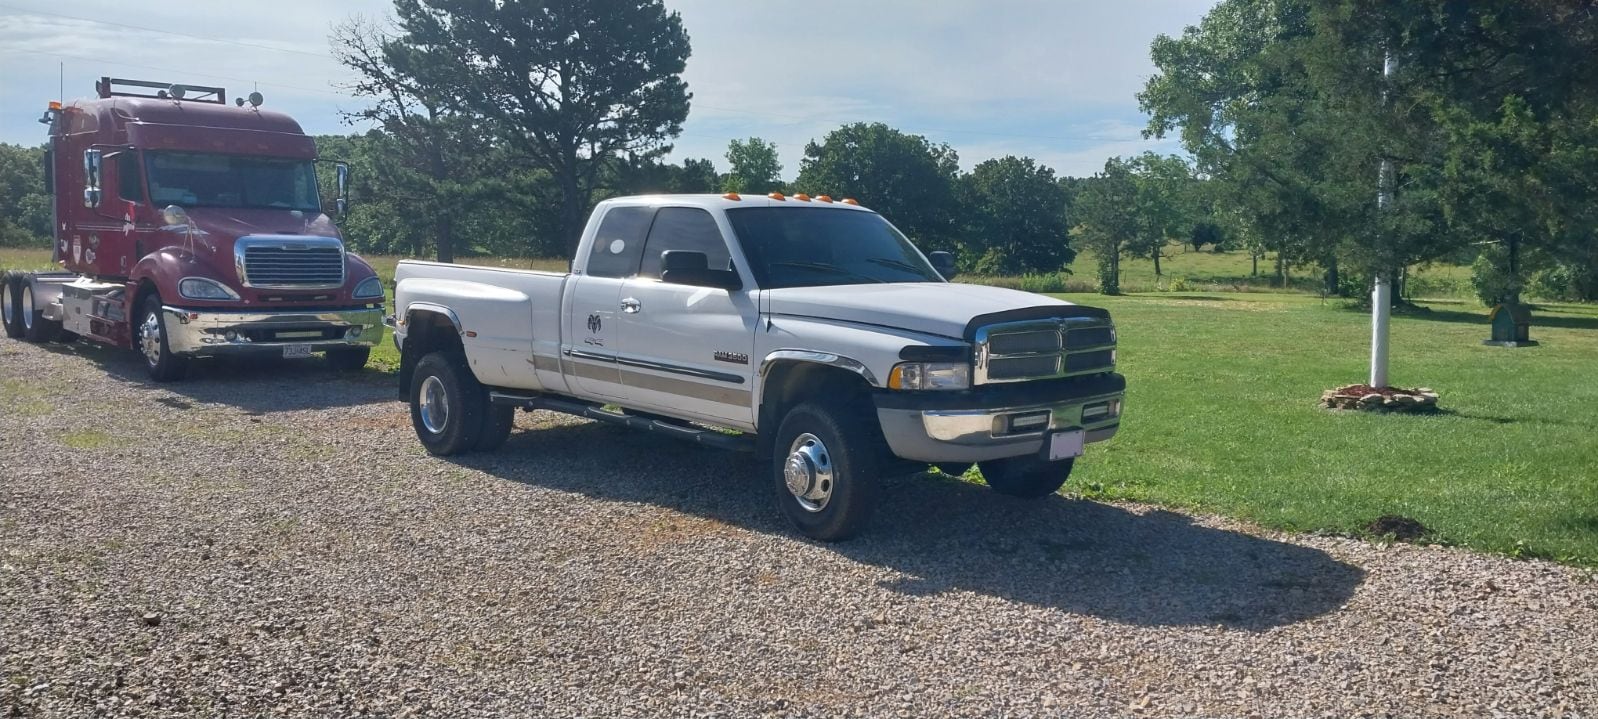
{"x":188,"y":227}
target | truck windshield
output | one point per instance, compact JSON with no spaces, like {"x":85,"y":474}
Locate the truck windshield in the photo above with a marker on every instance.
{"x":812,"y":246}
{"x":196,"y":179}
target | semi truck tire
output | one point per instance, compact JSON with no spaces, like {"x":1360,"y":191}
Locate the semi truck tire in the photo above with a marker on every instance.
{"x":448,"y":406}
{"x":35,"y":328}
{"x":149,"y":337}
{"x":348,"y":359}
{"x":824,"y":469}
{"x":10,"y":305}
{"x":1026,"y":477}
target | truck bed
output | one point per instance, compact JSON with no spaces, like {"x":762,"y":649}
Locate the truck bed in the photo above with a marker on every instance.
{"x":515,"y":316}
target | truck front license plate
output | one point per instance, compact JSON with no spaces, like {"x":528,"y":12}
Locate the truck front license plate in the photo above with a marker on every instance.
{"x":293,"y":351}
{"x":1067,"y":444}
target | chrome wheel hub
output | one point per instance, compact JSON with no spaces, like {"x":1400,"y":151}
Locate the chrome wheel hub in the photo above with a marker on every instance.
{"x":808,"y":472}
{"x":434,"y":404}
{"x":150,"y":338}
{"x":27,"y":307}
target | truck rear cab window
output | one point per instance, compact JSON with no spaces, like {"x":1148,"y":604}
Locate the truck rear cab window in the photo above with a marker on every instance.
{"x":619,"y":242}
{"x":684,"y":228}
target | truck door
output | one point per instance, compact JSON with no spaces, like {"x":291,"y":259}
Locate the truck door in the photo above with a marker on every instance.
{"x":589,"y":342}
{"x":682,"y":347}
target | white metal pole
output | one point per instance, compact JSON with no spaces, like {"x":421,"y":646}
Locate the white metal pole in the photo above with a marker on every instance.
{"x":1381,"y":289}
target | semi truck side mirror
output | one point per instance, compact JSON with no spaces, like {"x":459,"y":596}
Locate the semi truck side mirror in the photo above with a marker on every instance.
{"x":943,"y":262}
{"x":341,"y":171}
{"x":91,"y":178}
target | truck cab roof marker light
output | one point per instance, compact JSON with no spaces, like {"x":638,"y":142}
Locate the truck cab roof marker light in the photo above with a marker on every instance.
{"x":851,"y":201}
{"x":732,"y":196}
{"x":55,"y":104}
{"x":824,"y":198}
{"x":777,"y":196}
{"x":802,"y":197}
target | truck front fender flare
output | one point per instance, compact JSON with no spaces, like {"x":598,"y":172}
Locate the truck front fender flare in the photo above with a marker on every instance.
{"x":822,"y":358}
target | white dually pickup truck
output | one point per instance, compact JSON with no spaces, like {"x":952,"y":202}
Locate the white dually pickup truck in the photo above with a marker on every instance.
{"x":809,"y":331}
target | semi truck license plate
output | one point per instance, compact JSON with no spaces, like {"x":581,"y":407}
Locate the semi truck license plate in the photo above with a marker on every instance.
{"x":1067,"y":444}
{"x":293,"y":351}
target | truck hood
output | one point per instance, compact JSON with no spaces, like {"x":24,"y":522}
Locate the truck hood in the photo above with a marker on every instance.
{"x":935,"y":308}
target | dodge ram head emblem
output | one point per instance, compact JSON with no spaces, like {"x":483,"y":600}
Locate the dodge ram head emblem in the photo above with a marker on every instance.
{"x":593,"y":323}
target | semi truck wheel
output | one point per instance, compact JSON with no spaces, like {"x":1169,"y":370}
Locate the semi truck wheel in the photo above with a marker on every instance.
{"x":348,"y":359}
{"x":447,"y":404}
{"x":9,"y":304}
{"x":151,"y":339}
{"x":35,"y":328}
{"x":1027,"y":477}
{"x":824,"y":468}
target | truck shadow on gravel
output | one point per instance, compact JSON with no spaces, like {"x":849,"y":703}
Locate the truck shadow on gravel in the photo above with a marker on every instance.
{"x":1153,"y":568}
{"x":255,"y":385}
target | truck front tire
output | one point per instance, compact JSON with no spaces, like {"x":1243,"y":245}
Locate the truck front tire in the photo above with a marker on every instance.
{"x":150,"y":338}
{"x":1026,"y":477}
{"x":448,"y":406}
{"x":824,"y":470}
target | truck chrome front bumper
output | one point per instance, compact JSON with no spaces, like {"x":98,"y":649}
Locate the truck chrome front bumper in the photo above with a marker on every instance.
{"x":204,"y":332}
{"x":964,"y":434}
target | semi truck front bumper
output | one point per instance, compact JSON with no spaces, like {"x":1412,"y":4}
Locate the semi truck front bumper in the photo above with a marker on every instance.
{"x":205,"y":332}
{"x":981,"y":425}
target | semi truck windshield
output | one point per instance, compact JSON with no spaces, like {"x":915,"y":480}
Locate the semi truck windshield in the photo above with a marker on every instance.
{"x":194,"y":179}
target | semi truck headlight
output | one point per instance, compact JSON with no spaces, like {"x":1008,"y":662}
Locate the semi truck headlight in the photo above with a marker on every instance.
{"x":369,"y":287}
{"x":200,"y":288}
{"x":930,"y":375}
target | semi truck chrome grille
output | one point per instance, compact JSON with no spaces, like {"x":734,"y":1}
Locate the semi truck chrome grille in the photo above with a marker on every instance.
{"x":1044,"y":349}
{"x":290,"y":263}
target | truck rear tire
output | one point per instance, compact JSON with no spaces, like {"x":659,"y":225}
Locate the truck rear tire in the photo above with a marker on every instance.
{"x":348,"y":359}
{"x":498,"y":421}
{"x":10,"y":305}
{"x":824,"y":470}
{"x":35,"y":328}
{"x":448,"y":406}
{"x":150,"y":339}
{"x":1026,"y":477}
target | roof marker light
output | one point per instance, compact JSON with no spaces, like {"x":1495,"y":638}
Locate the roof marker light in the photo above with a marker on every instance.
{"x":776,"y":196}
{"x":850,"y":201}
{"x":55,"y":104}
{"x":802,"y":197}
{"x":823,"y":198}
{"x":732,"y":196}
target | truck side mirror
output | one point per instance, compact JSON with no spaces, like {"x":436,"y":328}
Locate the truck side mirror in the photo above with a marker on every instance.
{"x":686,"y":267}
{"x":943,"y":262}
{"x":341,"y":171}
{"x":91,"y":177}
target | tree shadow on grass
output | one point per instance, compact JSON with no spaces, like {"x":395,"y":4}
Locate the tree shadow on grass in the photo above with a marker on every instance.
{"x":1152,"y":568}
{"x":1539,"y":318}
{"x":255,"y":385}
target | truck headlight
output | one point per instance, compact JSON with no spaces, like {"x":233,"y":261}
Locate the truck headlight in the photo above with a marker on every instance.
{"x":369,"y":287}
{"x":200,"y":288}
{"x":930,"y":375}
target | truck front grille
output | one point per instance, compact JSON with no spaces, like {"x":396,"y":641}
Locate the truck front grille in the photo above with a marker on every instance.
{"x":1044,"y":349}
{"x":297,"y":263}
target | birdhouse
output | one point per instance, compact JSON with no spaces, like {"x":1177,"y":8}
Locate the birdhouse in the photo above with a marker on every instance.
{"x":1511,"y":326}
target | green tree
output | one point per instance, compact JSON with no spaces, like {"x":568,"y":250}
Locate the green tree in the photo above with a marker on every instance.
{"x":1164,"y":204}
{"x":905,"y":177}
{"x":753,"y":167}
{"x":565,"y":84}
{"x":1107,"y":217}
{"x":24,"y":202}
{"x":1015,"y":218}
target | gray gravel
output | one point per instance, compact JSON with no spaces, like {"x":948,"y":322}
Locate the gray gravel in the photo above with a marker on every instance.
{"x":271,"y":541}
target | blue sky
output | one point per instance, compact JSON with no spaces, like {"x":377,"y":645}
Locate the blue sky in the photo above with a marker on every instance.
{"x":1050,"y":79}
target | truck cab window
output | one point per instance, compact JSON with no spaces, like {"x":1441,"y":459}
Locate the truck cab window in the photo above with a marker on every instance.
{"x":129,"y":178}
{"x":619,"y":242}
{"x":684,"y":228}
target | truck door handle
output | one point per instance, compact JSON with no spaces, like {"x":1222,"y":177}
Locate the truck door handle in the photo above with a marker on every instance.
{"x":631,"y":306}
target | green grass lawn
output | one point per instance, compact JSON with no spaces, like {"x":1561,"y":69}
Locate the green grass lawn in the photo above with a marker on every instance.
{"x":1222,"y":416}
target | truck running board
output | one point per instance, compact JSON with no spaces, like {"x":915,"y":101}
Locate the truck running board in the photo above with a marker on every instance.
{"x":701,"y":435}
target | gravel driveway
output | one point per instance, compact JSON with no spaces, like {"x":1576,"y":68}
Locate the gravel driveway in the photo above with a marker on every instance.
{"x":272,"y":541}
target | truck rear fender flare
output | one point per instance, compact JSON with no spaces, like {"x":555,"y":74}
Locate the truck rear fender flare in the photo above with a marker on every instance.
{"x":424,"y":331}
{"x":416,"y":308}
